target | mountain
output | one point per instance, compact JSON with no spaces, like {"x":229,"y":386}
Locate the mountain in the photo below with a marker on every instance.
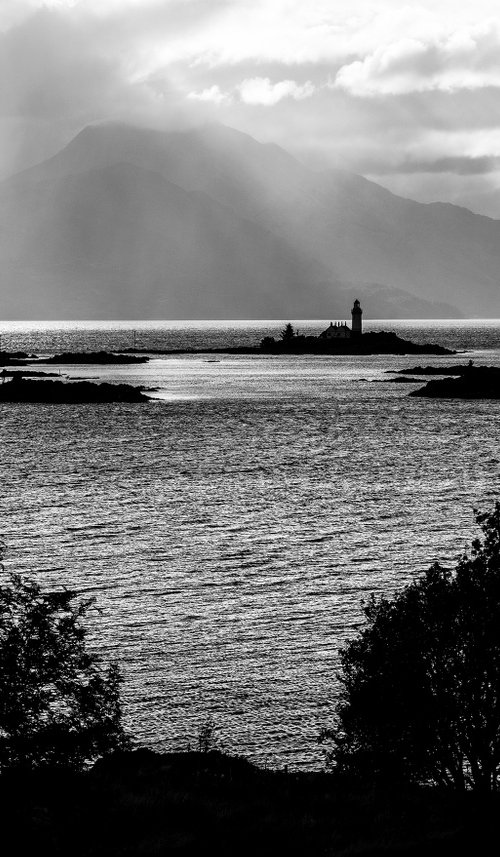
{"x":123,"y":242}
{"x":128,"y":222}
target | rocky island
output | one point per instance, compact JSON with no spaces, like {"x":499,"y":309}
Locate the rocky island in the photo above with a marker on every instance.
{"x":102,"y":358}
{"x":20,"y":389}
{"x":461,"y":382}
{"x":338,"y":338}
{"x":27,"y":373}
{"x":458,"y":369}
{"x":383,"y":342}
{"x":15,"y":358}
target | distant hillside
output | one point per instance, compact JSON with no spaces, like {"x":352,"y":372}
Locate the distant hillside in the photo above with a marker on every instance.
{"x":122,"y":241}
{"x":128,"y":222}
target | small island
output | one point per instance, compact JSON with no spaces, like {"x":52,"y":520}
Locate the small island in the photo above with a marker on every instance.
{"x":102,"y":358}
{"x":28,"y":373}
{"x":338,"y":338}
{"x":16,"y":358}
{"x":458,"y":369}
{"x":461,"y":382}
{"x":382,"y":342}
{"x":20,"y":389}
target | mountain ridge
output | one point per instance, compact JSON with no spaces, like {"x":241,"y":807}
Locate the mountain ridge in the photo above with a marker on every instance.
{"x":261,"y":234}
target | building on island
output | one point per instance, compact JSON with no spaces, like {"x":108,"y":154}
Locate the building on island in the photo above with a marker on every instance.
{"x":340,"y":330}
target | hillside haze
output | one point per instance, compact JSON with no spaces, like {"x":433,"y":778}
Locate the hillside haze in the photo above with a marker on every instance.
{"x":128,"y":222}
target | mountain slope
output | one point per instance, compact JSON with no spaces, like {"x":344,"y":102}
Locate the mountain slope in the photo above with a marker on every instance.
{"x":122,"y":241}
{"x":210,"y":222}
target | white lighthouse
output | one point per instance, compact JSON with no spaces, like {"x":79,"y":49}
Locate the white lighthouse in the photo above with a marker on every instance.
{"x":357,"y":322}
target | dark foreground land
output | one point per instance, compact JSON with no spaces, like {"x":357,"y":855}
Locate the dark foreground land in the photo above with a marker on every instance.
{"x":467,"y":382}
{"x":142,"y":803}
{"x":60,"y":392}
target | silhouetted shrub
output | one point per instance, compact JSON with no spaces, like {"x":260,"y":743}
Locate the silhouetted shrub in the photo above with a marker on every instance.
{"x":208,"y":740}
{"x":421,"y":682}
{"x":57,"y":705}
{"x":268,"y":343}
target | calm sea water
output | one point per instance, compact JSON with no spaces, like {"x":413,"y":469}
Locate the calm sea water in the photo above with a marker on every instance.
{"x":231,"y":529}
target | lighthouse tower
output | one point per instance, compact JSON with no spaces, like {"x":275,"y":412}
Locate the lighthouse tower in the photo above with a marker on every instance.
{"x":357,"y":323}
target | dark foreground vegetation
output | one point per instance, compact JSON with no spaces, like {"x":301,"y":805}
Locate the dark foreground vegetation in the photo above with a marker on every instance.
{"x":20,"y":389}
{"x":420,"y":700}
{"x":414,"y":764}
{"x":59,"y":706}
{"x":193,"y":804}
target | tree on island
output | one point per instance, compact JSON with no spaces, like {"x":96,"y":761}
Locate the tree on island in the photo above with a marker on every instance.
{"x":288,"y":332}
{"x":58,"y":707}
{"x":421,"y":683}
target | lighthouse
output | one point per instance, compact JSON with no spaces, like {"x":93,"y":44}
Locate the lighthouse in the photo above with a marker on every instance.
{"x":357,"y":323}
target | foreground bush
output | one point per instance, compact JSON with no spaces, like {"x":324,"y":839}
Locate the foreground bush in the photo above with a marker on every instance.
{"x":421,"y":683}
{"x":57,"y":705}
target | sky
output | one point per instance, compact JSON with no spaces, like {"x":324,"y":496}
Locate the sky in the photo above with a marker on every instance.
{"x":407,"y":94}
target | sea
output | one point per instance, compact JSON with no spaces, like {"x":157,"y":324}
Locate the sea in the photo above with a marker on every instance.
{"x":231,"y":529}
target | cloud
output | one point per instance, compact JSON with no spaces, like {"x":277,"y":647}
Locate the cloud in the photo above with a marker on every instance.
{"x":260,"y":90}
{"x":463,"y":59}
{"x":454,"y":165}
{"x":255,"y":91}
{"x":211,"y":94}
{"x":407,"y":91}
{"x":65,"y":66}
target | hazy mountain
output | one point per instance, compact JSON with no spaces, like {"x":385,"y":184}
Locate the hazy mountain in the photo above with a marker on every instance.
{"x":130,"y":222}
{"x":122,"y":241}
